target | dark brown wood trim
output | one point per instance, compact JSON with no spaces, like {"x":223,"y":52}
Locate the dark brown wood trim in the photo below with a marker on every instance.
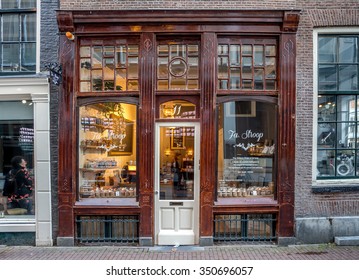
{"x":93,"y":210}
{"x":66,"y":180}
{"x":234,"y":209}
{"x":286,"y":143}
{"x":208,"y":131}
{"x":145,"y":152}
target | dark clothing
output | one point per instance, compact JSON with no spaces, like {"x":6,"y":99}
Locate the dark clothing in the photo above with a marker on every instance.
{"x":176,"y":170}
{"x":20,"y":198}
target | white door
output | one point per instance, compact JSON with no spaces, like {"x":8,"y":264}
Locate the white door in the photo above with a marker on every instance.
{"x":177,"y":183}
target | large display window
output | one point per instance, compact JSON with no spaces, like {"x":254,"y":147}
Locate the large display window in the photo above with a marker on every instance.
{"x":107,"y":153}
{"x":17,"y":159}
{"x":247,"y":137}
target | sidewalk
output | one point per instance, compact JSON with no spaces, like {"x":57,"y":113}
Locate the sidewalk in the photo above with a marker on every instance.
{"x":233,"y":252}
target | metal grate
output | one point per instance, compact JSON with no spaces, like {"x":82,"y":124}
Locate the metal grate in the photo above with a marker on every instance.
{"x":245,"y":227}
{"x":112,"y":229}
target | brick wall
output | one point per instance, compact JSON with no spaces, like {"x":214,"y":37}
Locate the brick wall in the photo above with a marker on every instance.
{"x":49,"y":53}
{"x":314,"y":14}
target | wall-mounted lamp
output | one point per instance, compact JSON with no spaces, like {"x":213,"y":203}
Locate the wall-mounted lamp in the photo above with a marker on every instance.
{"x":70,"y":36}
{"x":167,"y":152}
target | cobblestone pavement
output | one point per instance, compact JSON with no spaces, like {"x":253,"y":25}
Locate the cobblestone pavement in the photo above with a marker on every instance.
{"x":234,"y":252}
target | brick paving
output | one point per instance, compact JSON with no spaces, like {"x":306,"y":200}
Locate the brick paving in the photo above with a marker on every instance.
{"x":233,"y":252}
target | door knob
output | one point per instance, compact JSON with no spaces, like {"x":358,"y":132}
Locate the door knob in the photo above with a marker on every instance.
{"x":156,"y":192}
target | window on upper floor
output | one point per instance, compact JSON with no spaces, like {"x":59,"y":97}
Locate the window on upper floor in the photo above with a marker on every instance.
{"x":337,"y":137}
{"x":18,"y":37}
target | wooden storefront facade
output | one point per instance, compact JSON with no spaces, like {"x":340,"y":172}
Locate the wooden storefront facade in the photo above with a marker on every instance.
{"x":85,"y":30}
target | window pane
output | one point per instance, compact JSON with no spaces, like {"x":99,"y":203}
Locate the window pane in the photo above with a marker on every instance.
{"x":107,"y":149}
{"x":346,"y":135}
{"x":11,"y":27}
{"x":162,"y":68}
{"x":327,"y":49}
{"x":222,"y":67}
{"x":97,"y":57}
{"x":11,"y":56}
{"x":132,"y":67}
{"x":348,"y":49}
{"x":28,"y":57}
{"x":258,"y":55}
{"x":121,"y":56}
{"x":17,"y":139}
{"x":348,"y":77}
{"x":326,"y":108}
{"x":345,"y":163}
{"x":345,"y":108}
{"x":235,"y":55}
{"x":9,"y":4}
{"x":192,"y":50}
{"x":85,"y":66}
{"x":326,"y":135}
{"x":327,"y":77}
{"x":28,"y":32}
{"x":258,"y":79}
{"x":246,"y":149}
{"x":28,"y":3}
{"x":325,"y":163}
{"x":193,"y":67}
{"x":121,"y":79}
{"x":222,"y":49}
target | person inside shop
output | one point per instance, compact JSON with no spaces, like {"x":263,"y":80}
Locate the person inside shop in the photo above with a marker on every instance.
{"x":19,"y":186}
{"x":176,"y":171}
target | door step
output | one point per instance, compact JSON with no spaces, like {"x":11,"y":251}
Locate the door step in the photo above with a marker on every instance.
{"x":347,"y":240}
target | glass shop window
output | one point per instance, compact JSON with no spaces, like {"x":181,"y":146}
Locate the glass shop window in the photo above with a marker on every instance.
{"x":246,"y":151}
{"x":107,"y":153}
{"x":17,"y":157}
{"x":109,"y":66}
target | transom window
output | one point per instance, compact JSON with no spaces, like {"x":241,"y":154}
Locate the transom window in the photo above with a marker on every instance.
{"x":338,"y":119}
{"x":110,"y":66}
{"x":247,"y":65}
{"x":177,"y":66}
{"x":18,"y":36}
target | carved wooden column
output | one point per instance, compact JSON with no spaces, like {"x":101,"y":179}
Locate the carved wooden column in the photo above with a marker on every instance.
{"x":208,"y":131}
{"x":146,"y":136}
{"x":66,"y":141}
{"x":286,"y":143}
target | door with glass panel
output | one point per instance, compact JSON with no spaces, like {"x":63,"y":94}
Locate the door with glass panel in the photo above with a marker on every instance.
{"x":177,"y":183}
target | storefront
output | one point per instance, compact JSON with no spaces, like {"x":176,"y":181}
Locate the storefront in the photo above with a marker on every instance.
{"x":176,"y":127}
{"x":24,"y":131}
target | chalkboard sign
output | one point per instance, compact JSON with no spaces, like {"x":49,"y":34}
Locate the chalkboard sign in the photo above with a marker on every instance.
{"x":177,"y":141}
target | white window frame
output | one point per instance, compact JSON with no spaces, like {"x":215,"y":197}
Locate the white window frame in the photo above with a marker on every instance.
{"x":316,"y":33}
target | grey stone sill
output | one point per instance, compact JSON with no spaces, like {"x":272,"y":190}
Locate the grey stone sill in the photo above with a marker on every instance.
{"x":337,"y":188}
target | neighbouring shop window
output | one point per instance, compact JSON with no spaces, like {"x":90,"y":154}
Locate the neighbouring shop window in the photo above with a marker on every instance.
{"x":107,"y":153}
{"x":177,"y":66}
{"x":338,"y":119}
{"x":17,"y":140}
{"x":18,"y":36}
{"x":109,"y":66}
{"x":246,"y":150}
{"x":247,"y":64}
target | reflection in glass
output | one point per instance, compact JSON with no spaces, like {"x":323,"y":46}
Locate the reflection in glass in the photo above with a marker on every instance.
{"x":107,"y":153}
{"x":327,"y":49}
{"x":177,"y":157}
{"x":327,"y":77}
{"x":348,"y":49}
{"x":348,"y":77}
{"x":246,"y":150}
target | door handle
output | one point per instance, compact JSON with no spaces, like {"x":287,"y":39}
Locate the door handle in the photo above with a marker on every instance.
{"x":156,"y":192}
